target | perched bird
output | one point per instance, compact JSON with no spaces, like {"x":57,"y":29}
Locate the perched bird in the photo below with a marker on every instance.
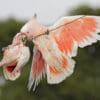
{"x":55,"y":46}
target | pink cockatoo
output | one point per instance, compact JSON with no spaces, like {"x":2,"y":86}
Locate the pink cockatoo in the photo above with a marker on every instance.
{"x":15,"y":57}
{"x":56,"y":45}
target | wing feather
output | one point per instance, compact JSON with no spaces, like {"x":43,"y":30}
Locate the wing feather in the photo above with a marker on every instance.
{"x":37,"y":69}
{"x":55,"y":76}
{"x":58,"y":65}
{"x":80,"y":31}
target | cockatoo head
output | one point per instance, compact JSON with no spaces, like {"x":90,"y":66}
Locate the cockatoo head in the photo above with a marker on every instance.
{"x":33,"y":28}
{"x":14,"y":58}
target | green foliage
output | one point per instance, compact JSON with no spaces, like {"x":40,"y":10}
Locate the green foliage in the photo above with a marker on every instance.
{"x":8,"y":28}
{"x":85,"y":10}
{"x":84,"y":84}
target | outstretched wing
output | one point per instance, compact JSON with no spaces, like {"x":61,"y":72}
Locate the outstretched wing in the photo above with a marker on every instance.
{"x":73,"y":31}
{"x":55,"y":76}
{"x":58,"y":65}
{"x":37,"y":69}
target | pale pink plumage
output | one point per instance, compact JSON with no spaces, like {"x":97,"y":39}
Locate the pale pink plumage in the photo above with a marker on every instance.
{"x":15,"y":57}
{"x":55,"y":45}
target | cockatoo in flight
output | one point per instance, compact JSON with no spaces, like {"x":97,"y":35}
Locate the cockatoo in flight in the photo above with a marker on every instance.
{"x":54,"y":48}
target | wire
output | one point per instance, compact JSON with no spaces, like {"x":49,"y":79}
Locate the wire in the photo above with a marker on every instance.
{"x":48,"y":31}
{"x":67,"y":23}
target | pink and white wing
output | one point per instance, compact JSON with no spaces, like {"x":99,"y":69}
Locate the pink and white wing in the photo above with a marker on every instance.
{"x":15,"y":57}
{"x":37,"y":69}
{"x":80,"y":31}
{"x":55,"y":76}
{"x":58,"y":65}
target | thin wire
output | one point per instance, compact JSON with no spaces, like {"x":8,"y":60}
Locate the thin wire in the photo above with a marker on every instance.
{"x":47,"y":32}
{"x":67,"y":23}
{"x":58,"y":27}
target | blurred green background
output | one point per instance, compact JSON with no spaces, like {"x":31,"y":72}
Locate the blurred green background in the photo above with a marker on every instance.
{"x":84,"y":84}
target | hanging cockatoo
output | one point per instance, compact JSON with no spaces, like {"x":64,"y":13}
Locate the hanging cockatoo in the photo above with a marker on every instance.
{"x":55,"y":46}
{"x":15,"y":57}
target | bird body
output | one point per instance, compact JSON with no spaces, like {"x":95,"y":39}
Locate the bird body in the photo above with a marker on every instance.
{"x":55,"y":46}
